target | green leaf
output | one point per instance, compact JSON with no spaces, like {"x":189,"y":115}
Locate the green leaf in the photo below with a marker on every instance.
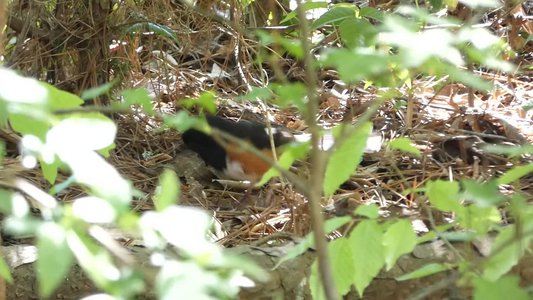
{"x":291,"y":153}
{"x":138,"y":97}
{"x":97,"y":91}
{"x":355,"y":65}
{"x":424,"y":271}
{"x":58,"y":188}
{"x":357,"y":32}
{"x":399,"y":239}
{"x":315,"y":283}
{"x":96,"y":262}
{"x":207,"y":101}
{"x":515,"y":173}
{"x":342,"y":266}
{"x":290,"y":94}
{"x":501,"y":262}
{"x":54,"y":258}
{"x":370,"y":211}
{"x":512,"y":151}
{"x":4,"y":271}
{"x":444,"y":195}
{"x":404,"y":144}
{"x":309,"y":241}
{"x":6,"y":202}
{"x":262,"y":93}
{"x":168,"y":190}
{"x":479,"y":219}
{"x":334,"y":16}
{"x":483,"y":194}
{"x":59,"y":99}
{"x":468,"y":78}
{"x":29,"y":124}
{"x":372,"y":13}
{"x":504,"y":288}
{"x":50,"y":170}
{"x":346,"y":157}
{"x":305,"y":6}
{"x":182,"y":121}
{"x":292,"y":46}
{"x":367,"y":253}
{"x":3,"y":114}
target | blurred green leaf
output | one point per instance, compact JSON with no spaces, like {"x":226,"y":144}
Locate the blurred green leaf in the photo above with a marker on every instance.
{"x":511,"y":151}
{"x":467,"y":78}
{"x":290,"y":95}
{"x":207,"y":101}
{"x":342,"y":265}
{"x":357,"y":32}
{"x":138,"y":97}
{"x":6,"y":202}
{"x":335,"y":16}
{"x":29,"y":124}
{"x":97,"y":91}
{"x":405,"y":145}
{"x":59,"y":99}
{"x":50,"y":169}
{"x":372,"y":13}
{"x":262,"y":93}
{"x":59,"y":187}
{"x":513,"y":249}
{"x":182,"y":121}
{"x":370,"y":211}
{"x":367,"y":253}
{"x":309,"y":241}
{"x":515,"y":173}
{"x":315,"y":283}
{"x":3,"y":114}
{"x":292,"y":46}
{"x":399,"y":239}
{"x":4,"y":271}
{"x":444,"y":195}
{"x":483,"y":194}
{"x":305,"y":6}
{"x":355,"y":65}
{"x":54,"y":257}
{"x":291,"y":153}
{"x":481,"y":219}
{"x":507,"y":287}
{"x":96,"y":262}
{"x":424,"y":271}
{"x":345,"y":158}
{"x":168,"y":190}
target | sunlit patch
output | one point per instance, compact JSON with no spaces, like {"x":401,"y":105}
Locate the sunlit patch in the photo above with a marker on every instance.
{"x":93,"y":210}
{"x":19,"y":206}
{"x":15,"y":88}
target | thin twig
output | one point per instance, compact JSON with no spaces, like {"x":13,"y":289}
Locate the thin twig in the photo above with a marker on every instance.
{"x":318,"y":161}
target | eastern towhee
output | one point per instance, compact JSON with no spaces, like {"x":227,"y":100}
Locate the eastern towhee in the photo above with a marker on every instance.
{"x":228,"y":158}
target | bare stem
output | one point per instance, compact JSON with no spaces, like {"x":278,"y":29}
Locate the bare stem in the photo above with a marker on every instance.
{"x":318,"y":161}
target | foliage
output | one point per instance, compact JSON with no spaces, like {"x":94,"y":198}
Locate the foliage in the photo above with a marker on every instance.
{"x":385,"y":50}
{"x":70,"y":140}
